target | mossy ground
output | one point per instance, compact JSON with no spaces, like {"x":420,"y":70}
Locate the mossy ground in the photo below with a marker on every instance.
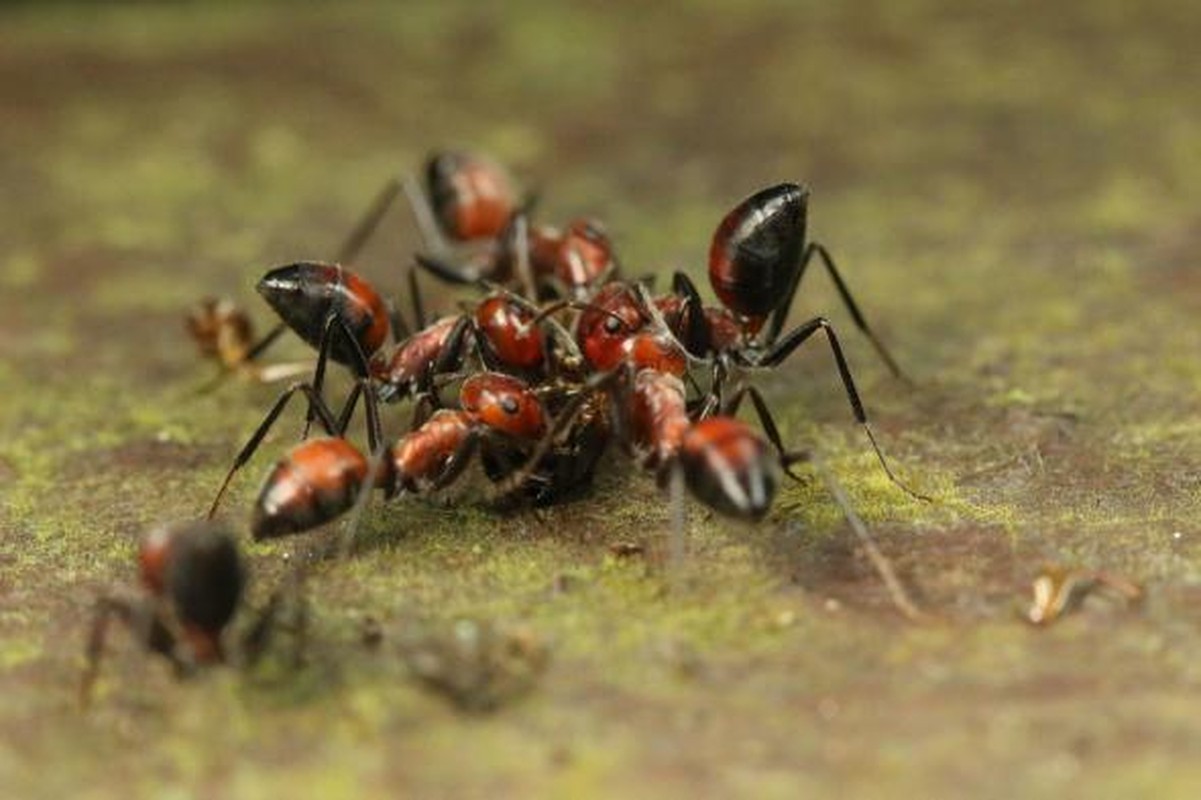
{"x":1012,"y":195}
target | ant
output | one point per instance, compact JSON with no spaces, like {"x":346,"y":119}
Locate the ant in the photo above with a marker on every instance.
{"x":757,"y":259}
{"x":509,"y":334}
{"x":223,"y":332}
{"x":718,"y":458}
{"x":321,"y":478}
{"x":545,"y":261}
{"x":467,"y":199}
{"x":192,"y":579}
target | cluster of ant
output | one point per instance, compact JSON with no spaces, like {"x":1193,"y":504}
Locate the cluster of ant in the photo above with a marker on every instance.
{"x":558,"y":358}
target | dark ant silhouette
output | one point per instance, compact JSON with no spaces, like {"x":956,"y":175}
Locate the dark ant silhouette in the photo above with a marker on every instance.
{"x":192,"y":579}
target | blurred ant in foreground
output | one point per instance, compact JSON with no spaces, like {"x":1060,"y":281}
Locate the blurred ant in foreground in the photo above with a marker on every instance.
{"x":192,"y":582}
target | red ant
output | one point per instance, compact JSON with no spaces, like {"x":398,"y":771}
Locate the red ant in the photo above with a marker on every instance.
{"x":720,"y":459}
{"x":320,"y":479}
{"x":192,"y":577}
{"x":758,"y":256}
{"x":757,"y":259}
{"x":468,"y":199}
{"x":543,"y":260}
{"x":507,"y":331}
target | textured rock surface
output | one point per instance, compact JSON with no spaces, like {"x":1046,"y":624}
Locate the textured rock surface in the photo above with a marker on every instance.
{"x":1011,"y":192}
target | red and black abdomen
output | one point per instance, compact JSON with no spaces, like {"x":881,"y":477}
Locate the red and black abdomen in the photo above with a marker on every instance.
{"x":729,"y":468}
{"x":757,"y":250}
{"x":472,"y":196}
{"x":195,"y":566}
{"x":306,"y":293}
{"x":315,"y":482}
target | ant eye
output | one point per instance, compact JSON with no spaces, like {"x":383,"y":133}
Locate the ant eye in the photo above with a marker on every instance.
{"x":509,"y":405}
{"x":612,"y":325}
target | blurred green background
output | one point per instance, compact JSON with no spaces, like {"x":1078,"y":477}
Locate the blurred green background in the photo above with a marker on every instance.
{"x":1011,"y":189}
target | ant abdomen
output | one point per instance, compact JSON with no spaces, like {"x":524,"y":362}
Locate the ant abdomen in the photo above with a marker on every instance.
{"x":315,"y":482}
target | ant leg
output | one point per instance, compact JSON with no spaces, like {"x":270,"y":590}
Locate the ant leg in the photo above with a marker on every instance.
{"x":698,"y":335}
{"x":368,"y":223}
{"x":679,"y":510}
{"x":896,"y":590}
{"x":362,"y":388}
{"x":780,"y":315}
{"x":787,"y":458}
{"x":423,"y":216}
{"x":419,"y":317}
{"x":375,"y":469}
{"x":316,"y":403}
{"x":254,"y":352}
{"x":348,"y":407}
{"x":791,"y":341}
{"x":335,"y":324}
{"x":401,"y":329}
{"x":318,"y":382}
{"x":262,"y":344}
{"x":137,"y":615}
{"x":455,"y":274}
{"x":521,"y":254}
{"x":257,"y":638}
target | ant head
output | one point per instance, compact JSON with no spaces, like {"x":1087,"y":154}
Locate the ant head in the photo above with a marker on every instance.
{"x":504,"y":324}
{"x":196,"y":566}
{"x":505,"y":404}
{"x":306,"y":293}
{"x":757,"y":249}
{"x":615,"y":314}
{"x":471,"y":195}
{"x":728,"y":467}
